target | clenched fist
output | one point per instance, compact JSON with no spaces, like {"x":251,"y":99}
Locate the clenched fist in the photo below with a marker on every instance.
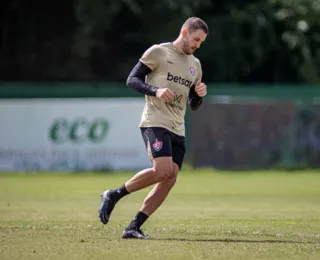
{"x":201,"y":89}
{"x":165,"y":94}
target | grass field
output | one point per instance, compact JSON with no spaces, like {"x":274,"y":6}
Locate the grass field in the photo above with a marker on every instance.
{"x":208,"y":215}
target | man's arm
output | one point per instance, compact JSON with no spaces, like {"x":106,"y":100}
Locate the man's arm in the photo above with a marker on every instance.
{"x":136,"y":80}
{"x":194,"y":100}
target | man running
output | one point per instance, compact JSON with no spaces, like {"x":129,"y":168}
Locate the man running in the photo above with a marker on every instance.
{"x":170,"y":78}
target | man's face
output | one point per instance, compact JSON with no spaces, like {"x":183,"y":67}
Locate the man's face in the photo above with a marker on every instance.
{"x":192,"y":41}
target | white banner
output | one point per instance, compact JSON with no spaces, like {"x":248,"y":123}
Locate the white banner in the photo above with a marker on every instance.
{"x":71,"y":134}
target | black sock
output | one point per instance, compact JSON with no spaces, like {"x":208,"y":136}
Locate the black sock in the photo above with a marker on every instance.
{"x":119,"y":193}
{"x":138,"y":220}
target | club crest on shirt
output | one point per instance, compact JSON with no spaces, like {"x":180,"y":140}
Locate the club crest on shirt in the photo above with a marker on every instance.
{"x":157,"y":145}
{"x":193,"y":71}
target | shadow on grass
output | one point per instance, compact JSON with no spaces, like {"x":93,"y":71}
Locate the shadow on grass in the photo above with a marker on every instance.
{"x":237,"y":241}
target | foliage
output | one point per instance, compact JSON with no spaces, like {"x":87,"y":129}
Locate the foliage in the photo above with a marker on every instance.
{"x":300,"y":23}
{"x":267,"y":41}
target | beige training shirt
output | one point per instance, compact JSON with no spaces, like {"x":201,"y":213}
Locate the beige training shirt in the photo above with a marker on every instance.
{"x":173,"y":70}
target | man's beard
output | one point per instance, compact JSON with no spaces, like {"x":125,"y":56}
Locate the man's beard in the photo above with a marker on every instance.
{"x":186,"y":48}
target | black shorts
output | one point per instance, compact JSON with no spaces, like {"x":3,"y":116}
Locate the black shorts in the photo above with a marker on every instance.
{"x":161,"y":142}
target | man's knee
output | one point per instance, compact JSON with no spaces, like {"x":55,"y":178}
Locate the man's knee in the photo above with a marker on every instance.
{"x":163,"y":167}
{"x":164,"y":171}
{"x":172,"y":179}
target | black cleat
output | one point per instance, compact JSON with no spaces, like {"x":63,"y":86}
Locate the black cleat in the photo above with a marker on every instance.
{"x":106,"y":207}
{"x":132,"y":233}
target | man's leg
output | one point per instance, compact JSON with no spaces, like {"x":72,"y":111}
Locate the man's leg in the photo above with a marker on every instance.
{"x":143,"y":179}
{"x":160,"y":192}
{"x":160,"y":171}
{"x":151,"y":203}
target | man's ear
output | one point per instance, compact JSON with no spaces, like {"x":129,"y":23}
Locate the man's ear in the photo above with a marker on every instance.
{"x":185,"y":32}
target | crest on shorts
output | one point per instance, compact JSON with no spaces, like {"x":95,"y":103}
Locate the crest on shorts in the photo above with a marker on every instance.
{"x":157,"y":145}
{"x":193,"y":71}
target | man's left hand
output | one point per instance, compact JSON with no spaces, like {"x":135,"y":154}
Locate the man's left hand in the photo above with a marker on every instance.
{"x":201,"y":89}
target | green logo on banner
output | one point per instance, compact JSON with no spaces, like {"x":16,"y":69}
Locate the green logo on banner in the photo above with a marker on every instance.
{"x":79,"y":130}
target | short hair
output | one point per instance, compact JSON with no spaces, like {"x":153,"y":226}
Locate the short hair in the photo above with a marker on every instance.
{"x":195,"y":23}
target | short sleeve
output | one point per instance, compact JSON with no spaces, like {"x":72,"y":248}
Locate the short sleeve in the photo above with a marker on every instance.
{"x":151,"y":57}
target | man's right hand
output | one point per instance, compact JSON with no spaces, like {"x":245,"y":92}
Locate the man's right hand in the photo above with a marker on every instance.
{"x":165,"y":94}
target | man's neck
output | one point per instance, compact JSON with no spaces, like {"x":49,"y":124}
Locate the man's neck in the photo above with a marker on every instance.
{"x":178,"y":45}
